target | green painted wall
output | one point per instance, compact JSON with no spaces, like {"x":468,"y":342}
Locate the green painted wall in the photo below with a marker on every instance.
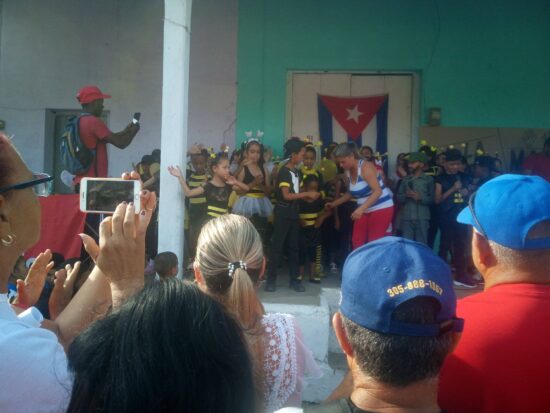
{"x":484,"y":62}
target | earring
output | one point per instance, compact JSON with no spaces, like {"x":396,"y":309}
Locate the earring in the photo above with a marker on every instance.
{"x":8,"y":240}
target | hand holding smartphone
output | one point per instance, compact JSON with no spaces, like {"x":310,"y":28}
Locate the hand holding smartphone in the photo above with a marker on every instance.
{"x":102,"y":195}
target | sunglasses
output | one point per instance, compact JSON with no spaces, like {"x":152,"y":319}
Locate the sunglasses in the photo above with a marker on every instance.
{"x":41,"y":185}
{"x":471,"y":207}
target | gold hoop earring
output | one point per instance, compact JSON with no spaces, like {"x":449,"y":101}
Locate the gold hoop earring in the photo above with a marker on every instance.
{"x":8,"y":240}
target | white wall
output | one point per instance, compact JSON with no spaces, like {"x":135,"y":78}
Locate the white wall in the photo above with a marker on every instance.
{"x":213,"y":72}
{"x":49,"y":49}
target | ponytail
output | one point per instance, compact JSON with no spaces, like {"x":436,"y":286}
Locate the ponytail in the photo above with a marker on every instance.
{"x":230,"y":258}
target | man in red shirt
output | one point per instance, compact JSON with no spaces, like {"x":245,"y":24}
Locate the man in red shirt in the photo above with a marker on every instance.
{"x":539,"y":163}
{"x":96,"y":135}
{"x":501,"y":363}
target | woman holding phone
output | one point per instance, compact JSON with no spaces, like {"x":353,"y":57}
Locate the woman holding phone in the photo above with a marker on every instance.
{"x":33,"y":357}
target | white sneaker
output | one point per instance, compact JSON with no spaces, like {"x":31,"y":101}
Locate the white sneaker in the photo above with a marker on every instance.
{"x":67,"y":178}
{"x":463,"y":286}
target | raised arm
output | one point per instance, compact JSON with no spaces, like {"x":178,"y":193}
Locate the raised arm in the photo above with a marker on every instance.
{"x":119,"y":270}
{"x":177,"y":172}
{"x":125,"y":137}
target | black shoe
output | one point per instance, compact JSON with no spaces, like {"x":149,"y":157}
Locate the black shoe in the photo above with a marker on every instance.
{"x":297,"y":286}
{"x":270,"y":288}
{"x":315,"y":280}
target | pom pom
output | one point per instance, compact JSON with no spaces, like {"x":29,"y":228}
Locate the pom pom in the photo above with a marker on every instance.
{"x":423,"y":142}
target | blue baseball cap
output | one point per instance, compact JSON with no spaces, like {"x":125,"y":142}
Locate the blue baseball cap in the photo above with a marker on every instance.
{"x":381,"y":275}
{"x":505,"y":209}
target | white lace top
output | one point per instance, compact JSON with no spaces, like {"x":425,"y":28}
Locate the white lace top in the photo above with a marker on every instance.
{"x":286,"y":362}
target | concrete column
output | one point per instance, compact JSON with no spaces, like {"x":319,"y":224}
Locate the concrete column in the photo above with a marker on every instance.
{"x":175,"y":93}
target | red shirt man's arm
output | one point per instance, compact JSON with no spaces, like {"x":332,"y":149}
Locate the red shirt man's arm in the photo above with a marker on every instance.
{"x":123,"y":138}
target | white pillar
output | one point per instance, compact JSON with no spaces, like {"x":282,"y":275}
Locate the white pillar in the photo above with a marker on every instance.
{"x":175,"y":93}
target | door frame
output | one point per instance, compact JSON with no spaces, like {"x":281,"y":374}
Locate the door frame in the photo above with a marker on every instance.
{"x":415,"y":95}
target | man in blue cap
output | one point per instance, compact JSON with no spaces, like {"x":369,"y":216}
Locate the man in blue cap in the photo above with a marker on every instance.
{"x":396,"y":325}
{"x":502,"y":362}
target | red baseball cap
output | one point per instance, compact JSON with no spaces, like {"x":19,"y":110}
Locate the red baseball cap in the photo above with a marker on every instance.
{"x":90,"y":93}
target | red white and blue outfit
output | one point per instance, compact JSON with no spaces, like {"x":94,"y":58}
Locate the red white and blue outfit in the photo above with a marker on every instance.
{"x":377,"y":218}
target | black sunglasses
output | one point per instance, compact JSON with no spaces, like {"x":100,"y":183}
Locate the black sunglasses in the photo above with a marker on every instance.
{"x":39,"y":184}
{"x":471,"y":206}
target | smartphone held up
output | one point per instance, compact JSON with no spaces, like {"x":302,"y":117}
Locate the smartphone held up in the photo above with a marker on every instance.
{"x":102,"y":195}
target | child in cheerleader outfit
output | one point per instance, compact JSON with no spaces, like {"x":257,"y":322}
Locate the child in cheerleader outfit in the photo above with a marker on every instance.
{"x":217,"y":190}
{"x":255,"y":204}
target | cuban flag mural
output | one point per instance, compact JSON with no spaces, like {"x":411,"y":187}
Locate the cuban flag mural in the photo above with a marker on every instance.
{"x":355,"y":116}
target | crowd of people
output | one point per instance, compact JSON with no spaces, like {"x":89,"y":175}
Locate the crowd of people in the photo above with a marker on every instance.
{"x":120,"y":343}
{"x":315,"y":208}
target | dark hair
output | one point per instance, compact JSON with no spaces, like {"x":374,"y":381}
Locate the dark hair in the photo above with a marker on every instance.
{"x":311,"y":148}
{"x":347,"y":149}
{"x":216,"y":159}
{"x":156,"y":155}
{"x":293,"y":146}
{"x":234,"y":154}
{"x":430,"y":153}
{"x":453,"y":154}
{"x":171,"y":348}
{"x":203,"y":153}
{"x":330,"y":148}
{"x":367,"y":147}
{"x":309,"y":179}
{"x":246,"y":146}
{"x":147,"y":159}
{"x":401,"y":360}
{"x":165,"y":262}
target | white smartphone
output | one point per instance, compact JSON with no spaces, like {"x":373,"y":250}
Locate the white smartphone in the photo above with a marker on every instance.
{"x":102,"y":195}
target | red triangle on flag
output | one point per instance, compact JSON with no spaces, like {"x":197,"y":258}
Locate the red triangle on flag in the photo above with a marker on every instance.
{"x":353,"y":113}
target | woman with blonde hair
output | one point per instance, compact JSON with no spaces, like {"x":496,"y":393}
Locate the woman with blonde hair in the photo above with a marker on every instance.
{"x":229,"y":266}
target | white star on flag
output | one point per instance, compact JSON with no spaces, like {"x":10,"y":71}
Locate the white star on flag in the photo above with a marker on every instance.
{"x":354,"y":114}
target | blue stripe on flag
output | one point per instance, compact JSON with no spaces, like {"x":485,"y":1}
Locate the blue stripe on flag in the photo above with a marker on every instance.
{"x":325,"y":123}
{"x":382,"y":131}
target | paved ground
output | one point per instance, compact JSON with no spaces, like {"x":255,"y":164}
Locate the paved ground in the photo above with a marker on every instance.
{"x":312,"y":293}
